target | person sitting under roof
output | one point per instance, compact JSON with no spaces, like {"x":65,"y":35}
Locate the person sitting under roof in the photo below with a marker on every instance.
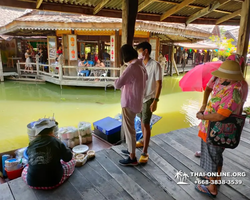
{"x":99,"y":72}
{"x":82,"y":64}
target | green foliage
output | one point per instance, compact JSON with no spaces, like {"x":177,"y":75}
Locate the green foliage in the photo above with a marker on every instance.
{"x":225,"y":45}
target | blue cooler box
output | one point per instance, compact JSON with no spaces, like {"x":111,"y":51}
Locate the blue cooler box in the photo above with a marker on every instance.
{"x":108,"y":129}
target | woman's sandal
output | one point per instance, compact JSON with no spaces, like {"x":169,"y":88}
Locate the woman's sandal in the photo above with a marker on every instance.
{"x":197,"y":154}
{"x":204,"y":178}
{"x":204,"y":190}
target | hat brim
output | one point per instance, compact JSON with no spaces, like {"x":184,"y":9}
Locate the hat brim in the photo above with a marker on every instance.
{"x":235,"y":77}
{"x":39,"y":129}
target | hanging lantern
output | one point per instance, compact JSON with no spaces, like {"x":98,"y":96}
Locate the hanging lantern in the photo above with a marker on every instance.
{"x":190,"y":50}
{"x":205,"y":51}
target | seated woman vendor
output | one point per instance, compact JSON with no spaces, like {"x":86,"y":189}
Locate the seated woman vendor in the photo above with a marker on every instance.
{"x":50,"y":162}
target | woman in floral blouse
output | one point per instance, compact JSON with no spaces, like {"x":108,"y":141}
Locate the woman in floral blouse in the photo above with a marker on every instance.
{"x":227,"y":98}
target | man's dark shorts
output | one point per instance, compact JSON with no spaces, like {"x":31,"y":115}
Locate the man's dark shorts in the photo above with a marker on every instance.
{"x":146,"y":113}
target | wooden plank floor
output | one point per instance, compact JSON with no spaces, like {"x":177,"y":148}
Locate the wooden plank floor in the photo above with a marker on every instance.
{"x":103,"y":178}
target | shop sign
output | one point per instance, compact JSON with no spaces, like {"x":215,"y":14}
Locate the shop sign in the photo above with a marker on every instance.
{"x":72,"y":47}
{"x":112,"y":48}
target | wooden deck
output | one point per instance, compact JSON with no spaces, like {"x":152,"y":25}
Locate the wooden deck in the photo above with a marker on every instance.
{"x":103,"y":178}
{"x":180,"y":70}
{"x":10,"y":74}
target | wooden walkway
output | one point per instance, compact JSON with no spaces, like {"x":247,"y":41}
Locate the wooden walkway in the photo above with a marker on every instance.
{"x":103,"y":178}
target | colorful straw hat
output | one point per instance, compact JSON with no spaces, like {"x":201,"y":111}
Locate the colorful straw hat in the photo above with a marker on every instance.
{"x":229,"y":70}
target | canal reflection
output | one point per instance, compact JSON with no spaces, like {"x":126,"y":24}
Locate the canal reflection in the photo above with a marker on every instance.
{"x":21,"y":103}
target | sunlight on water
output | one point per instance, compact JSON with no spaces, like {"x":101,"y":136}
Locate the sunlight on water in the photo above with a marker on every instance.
{"x":21,"y":103}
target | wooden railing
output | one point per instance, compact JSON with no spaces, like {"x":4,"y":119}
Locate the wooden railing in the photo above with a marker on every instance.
{"x":64,"y":73}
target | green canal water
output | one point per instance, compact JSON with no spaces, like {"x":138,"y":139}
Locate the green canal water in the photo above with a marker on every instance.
{"x":22,"y":102}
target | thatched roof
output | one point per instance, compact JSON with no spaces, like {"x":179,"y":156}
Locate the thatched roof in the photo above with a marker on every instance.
{"x":40,"y":20}
{"x":7,"y":15}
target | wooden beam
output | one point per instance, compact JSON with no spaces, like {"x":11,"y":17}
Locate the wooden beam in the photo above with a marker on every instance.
{"x":243,"y":38}
{"x":38,"y":3}
{"x":167,"y":2}
{"x":175,"y":9}
{"x":205,"y":11}
{"x":129,"y":14}
{"x":68,"y":8}
{"x":144,"y":4}
{"x":227,"y":17}
{"x":100,"y":6}
{"x":191,"y":6}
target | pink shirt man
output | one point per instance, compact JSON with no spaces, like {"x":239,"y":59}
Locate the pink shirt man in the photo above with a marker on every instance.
{"x":132,"y":83}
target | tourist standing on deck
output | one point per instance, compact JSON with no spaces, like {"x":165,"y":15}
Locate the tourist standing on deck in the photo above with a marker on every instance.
{"x":40,"y":54}
{"x":151,"y":96}
{"x":132,"y":84}
{"x":58,"y":53}
{"x":28,"y":65}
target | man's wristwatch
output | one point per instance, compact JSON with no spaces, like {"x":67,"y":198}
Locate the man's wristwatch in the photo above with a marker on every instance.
{"x":156,"y":99}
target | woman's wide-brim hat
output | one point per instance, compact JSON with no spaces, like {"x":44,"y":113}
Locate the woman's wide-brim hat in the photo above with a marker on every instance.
{"x":229,"y":70}
{"x":42,"y":124}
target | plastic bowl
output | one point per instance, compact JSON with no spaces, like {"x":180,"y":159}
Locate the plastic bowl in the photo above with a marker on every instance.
{"x":14,"y":174}
{"x":25,"y":155}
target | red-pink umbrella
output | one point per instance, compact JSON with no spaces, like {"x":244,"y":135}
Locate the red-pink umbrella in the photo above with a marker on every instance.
{"x":197,"y":78}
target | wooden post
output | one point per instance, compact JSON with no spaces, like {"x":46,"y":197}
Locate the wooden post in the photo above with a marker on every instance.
{"x":60,"y":58}
{"x":18,"y":68}
{"x":184,"y":62}
{"x":194,"y":58}
{"x":243,"y":38}
{"x":170,"y":58}
{"x":37,"y":65}
{"x":117,"y":52}
{"x":173,"y":61}
{"x":100,"y":49}
{"x":169,"y":49}
{"x":129,"y":14}
{"x":1,"y":68}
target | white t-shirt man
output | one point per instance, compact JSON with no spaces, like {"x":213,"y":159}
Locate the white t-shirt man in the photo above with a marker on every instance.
{"x":154,"y":74}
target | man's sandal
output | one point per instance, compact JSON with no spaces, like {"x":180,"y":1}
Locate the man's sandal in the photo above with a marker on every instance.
{"x":139,"y":144}
{"x":143,"y":159}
